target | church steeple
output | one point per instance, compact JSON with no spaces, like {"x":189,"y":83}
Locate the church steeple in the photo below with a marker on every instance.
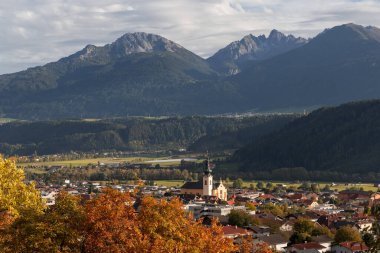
{"x":207,"y":179}
{"x":207,"y":168}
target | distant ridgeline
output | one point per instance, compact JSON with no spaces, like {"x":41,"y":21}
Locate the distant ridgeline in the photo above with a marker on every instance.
{"x":145,"y":74}
{"x":338,"y":143}
{"x":202,"y":133}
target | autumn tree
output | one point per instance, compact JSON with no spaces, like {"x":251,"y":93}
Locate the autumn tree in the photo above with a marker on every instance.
{"x":56,"y":230}
{"x":247,"y":245}
{"x":347,"y":234}
{"x":168,"y":228}
{"x":66,"y":221}
{"x":262,"y":248}
{"x":110,"y":224}
{"x":16,"y":196}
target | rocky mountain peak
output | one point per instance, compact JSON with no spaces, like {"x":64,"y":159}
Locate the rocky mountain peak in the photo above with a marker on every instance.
{"x":231,"y":59}
{"x":141,"y":42}
{"x":276,"y":35}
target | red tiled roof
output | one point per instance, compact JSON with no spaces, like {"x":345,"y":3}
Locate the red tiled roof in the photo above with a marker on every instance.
{"x":354,"y":246}
{"x":295,"y":196}
{"x":308,"y":245}
{"x":233,"y":230}
{"x":266,"y":196}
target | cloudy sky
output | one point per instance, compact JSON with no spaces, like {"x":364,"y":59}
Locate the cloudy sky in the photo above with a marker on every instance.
{"x":34,"y":32}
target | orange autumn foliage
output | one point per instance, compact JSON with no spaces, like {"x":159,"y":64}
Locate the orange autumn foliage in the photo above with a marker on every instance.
{"x":168,"y":228}
{"x":248,"y":246}
{"x":109,"y":223}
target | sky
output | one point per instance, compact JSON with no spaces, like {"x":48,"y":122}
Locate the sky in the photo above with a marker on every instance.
{"x":35,"y":32}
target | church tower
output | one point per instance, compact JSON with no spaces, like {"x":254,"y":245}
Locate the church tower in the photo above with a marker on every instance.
{"x":207,"y":180}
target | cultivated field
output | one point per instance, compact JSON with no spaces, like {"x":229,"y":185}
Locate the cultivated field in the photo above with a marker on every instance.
{"x":162,"y":161}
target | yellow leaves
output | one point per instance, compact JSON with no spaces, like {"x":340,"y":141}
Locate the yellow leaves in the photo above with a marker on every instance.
{"x":15,"y":195}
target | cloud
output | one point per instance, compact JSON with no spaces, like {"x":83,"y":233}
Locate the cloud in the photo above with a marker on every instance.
{"x":35,"y":32}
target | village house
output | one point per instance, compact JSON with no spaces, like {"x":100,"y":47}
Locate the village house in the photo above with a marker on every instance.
{"x":276,"y":241}
{"x":350,"y":247}
{"x":287,"y":226}
{"x":360,"y":198}
{"x":234,"y":232}
{"x":260,"y":230}
{"x":308,"y":247}
{"x":323,"y":240}
{"x":212,"y":210}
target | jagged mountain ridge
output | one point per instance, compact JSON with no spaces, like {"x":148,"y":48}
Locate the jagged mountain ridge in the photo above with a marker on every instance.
{"x":232,"y":59}
{"x":339,"y":65}
{"x":129,"y":43}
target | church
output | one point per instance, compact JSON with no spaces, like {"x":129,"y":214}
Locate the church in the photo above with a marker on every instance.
{"x":206,"y":186}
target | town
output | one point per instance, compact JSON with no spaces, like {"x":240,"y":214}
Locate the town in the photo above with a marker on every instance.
{"x":308,"y":218}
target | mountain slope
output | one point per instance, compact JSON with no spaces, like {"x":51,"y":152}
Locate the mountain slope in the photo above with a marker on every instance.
{"x":344,"y":138}
{"x":145,"y":74}
{"x":233,"y":140}
{"x":137,"y":74}
{"x":232,"y":59}
{"x":341,"y":64}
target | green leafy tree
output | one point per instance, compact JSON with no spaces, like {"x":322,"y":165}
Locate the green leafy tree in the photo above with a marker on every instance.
{"x":322,"y":230}
{"x":299,"y":238}
{"x":315,"y":188}
{"x":304,"y":226}
{"x":238,"y":183}
{"x":276,"y":210}
{"x":369,"y":239}
{"x":250,"y":206}
{"x":240,"y":218}
{"x":260,"y":185}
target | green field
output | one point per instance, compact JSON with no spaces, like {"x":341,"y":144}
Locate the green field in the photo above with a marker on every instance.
{"x":87,"y":161}
{"x":162,"y":161}
{"x":6,"y":120}
{"x":169,"y":183}
{"x":338,"y":187}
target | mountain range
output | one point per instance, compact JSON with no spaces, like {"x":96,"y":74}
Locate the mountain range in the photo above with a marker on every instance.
{"x":146,"y":74}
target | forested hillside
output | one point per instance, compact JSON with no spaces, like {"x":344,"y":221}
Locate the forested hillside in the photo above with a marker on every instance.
{"x":343,"y":139}
{"x":133,"y":133}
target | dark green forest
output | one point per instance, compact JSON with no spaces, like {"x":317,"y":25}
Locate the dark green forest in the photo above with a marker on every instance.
{"x":344,"y":139}
{"x":132,"y":134}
